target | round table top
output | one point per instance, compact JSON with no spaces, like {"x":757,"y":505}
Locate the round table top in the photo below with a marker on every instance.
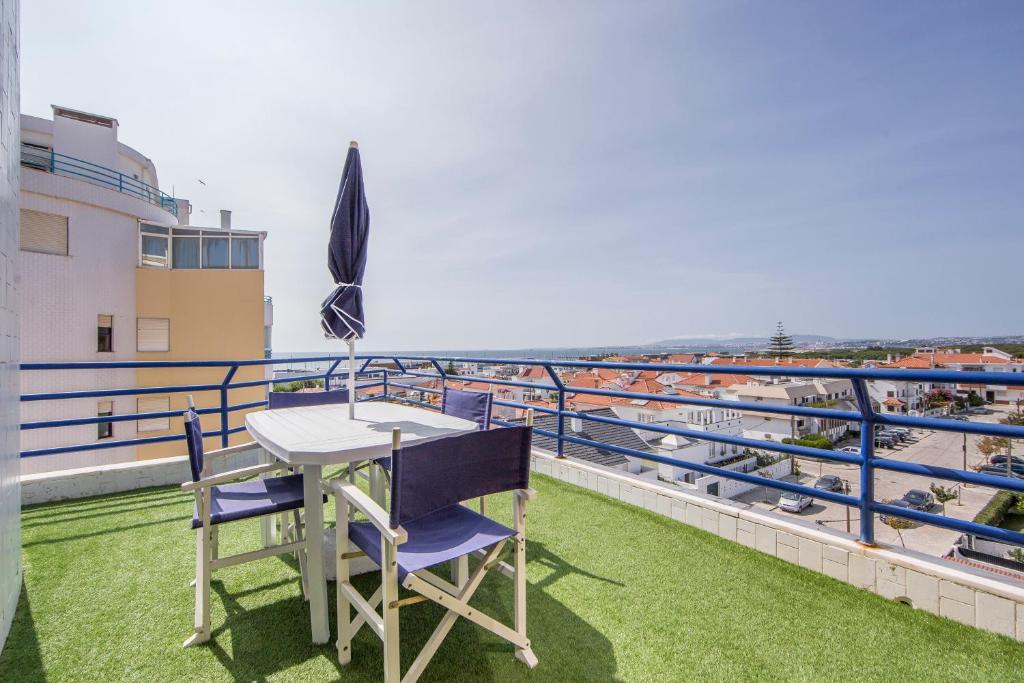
{"x":324,"y":435}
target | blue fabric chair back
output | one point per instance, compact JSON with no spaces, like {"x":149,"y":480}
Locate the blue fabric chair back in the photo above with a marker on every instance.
{"x":442,"y":473}
{"x":194,"y":440}
{"x":469,"y":405}
{"x":290,"y":399}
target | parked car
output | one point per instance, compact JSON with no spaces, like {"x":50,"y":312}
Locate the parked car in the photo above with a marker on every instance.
{"x":850,"y":449}
{"x":885,"y":440}
{"x":794,"y":502}
{"x":884,"y":518}
{"x":999,"y":471}
{"x":919,"y":500}
{"x":1014,"y":467}
{"x":896,"y":436}
{"x":977,"y":410}
{"x":829,"y":482}
{"x":904,"y":431}
{"x":1001,"y":459}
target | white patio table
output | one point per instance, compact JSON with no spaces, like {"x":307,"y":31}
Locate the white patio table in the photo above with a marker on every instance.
{"x":315,"y":436}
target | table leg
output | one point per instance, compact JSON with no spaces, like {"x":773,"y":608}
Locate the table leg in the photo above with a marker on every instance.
{"x":314,"y":553}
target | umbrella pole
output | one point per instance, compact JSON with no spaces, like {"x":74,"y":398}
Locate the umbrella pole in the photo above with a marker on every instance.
{"x":351,"y":379}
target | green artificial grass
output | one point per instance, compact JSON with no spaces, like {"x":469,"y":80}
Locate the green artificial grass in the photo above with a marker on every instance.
{"x":615,"y":593}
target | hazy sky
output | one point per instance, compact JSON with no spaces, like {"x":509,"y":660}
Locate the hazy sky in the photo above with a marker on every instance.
{"x":545,"y":174}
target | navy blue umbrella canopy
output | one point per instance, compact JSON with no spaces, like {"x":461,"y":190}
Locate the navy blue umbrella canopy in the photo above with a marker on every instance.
{"x":341,"y":314}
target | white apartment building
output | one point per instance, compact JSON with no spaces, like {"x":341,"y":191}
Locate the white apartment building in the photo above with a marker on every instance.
{"x":891,"y":396}
{"x":831,"y":393}
{"x":92,"y":219}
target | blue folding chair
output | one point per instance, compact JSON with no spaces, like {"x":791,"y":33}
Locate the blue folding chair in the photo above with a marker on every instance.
{"x":470,"y":405}
{"x":295,"y":399}
{"x":218,"y":501}
{"x":428,"y":526}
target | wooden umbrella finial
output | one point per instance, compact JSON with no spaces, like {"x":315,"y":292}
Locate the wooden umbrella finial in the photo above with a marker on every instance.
{"x":354,"y":144}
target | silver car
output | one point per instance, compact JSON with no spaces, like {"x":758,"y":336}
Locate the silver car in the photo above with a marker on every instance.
{"x":794,"y":502}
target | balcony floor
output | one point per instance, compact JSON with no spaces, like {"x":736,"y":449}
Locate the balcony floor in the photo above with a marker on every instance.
{"x":615,"y":593}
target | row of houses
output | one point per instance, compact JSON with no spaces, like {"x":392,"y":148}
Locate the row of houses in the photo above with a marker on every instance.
{"x":646,"y":397}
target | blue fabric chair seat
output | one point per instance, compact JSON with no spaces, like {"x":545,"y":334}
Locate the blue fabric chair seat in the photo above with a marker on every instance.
{"x":253,"y":499}
{"x":444,"y":535}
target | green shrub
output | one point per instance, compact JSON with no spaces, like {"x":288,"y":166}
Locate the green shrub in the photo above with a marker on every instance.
{"x":301,"y":384}
{"x":995,"y":510}
{"x":812,"y":441}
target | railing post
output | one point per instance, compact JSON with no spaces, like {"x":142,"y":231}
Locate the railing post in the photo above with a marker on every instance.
{"x":120,"y":182}
{"x":327,"y":375}
{"x":561,"y":408}
{"x":53,"y":162}
{"x":867,"y":469}
{"x":224,"y":406}
{"x":385,"y":385}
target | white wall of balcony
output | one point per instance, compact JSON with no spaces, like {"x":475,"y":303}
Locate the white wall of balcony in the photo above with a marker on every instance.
{"x":10,"y":478}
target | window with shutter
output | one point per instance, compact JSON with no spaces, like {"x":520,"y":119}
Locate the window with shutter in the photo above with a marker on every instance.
{"x":154,"y":334}
{"x":104,"y":333}
{"x":154,"y":404}
{"x":44,"y":233}
{"x":104,"y":430}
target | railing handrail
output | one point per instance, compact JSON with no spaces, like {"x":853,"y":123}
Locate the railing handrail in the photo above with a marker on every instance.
{"x":865,"y":414}
{"x":107,"y":177}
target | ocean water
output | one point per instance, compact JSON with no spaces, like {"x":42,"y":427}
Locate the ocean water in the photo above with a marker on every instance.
{"x":567,"y":353}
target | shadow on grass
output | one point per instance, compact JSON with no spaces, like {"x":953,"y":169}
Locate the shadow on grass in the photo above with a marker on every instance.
{"x":21,"y":659}
{"x":257,"y":644}
{"x":101,"y":532}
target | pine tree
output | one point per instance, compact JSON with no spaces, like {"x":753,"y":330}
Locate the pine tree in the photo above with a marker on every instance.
{"x":781,"y":344}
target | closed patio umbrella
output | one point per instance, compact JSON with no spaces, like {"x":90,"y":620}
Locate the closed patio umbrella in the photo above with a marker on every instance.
{"x":341,"y":314}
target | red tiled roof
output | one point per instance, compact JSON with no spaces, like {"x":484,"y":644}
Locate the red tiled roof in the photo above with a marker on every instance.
{"x":769,"y":362}
{"x":892,"y":402}
{"x":533,"y":372}
{"x":700,"y":379}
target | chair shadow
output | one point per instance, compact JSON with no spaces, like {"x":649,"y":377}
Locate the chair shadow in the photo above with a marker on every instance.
{"x":275,"y":637}
{"x":21,"y":658}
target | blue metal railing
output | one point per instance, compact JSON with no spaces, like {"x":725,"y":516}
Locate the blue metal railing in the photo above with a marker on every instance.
{"x":60,"y":164}
{"x":404,"y":367}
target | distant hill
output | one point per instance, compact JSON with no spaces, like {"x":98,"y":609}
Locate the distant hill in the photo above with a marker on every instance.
{"x":800,"y":340}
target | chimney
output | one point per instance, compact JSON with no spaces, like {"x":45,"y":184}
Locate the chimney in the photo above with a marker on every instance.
{"x":888,"y":358}
{"x":225,"y":219}
{"x":707,"y":378}
{"x":931,"y":362}
{"x":576,"y":425}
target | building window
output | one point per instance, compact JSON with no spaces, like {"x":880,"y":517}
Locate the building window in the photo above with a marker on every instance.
{"x":104,"y":333}
{"x":104,"y":430}
{"x":185,"y":250}
{"x":215,"y":252}
{"x":154,"y":404}
{"x":154,"y":246}
{"x":245,"y":252}
{"x":44,"y":233}
{"x":153,"y":334}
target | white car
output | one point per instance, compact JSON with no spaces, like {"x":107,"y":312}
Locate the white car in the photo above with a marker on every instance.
{"x":850,"y":449}
{"x":794,"y":502}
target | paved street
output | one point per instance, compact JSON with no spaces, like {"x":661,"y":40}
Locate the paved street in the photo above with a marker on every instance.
{"x":927,"y":446}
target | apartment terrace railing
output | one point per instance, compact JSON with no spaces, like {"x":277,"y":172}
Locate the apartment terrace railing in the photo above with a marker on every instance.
{"x":44,"y":159}
{"x":401,"y":369}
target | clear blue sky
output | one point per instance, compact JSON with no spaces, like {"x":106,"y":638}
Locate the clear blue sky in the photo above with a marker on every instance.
{"x":544,"y":174}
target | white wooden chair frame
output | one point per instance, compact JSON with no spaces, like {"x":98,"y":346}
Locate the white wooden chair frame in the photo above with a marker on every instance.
{"x":208,"y":557}
{"x":425,"y":584}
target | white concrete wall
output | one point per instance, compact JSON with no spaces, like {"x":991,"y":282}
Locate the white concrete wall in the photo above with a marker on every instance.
{"x":62,"y":297}
{"x":958,"y":592}
{"x":10,"y":484}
